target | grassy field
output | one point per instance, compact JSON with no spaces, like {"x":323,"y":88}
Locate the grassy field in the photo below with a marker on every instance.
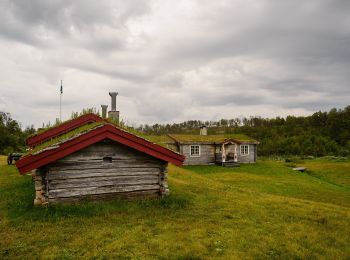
{"x":264,"y":210}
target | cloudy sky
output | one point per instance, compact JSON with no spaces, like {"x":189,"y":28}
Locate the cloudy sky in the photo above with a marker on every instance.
{"x":174,"y":60}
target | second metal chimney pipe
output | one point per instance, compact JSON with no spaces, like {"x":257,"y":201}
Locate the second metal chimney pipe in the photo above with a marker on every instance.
{"x":104,"y":110}
{"x":113,"y":100}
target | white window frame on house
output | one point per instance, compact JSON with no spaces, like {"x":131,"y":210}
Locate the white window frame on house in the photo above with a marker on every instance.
{"x":244,"y":149}
{"x":195,"y":154}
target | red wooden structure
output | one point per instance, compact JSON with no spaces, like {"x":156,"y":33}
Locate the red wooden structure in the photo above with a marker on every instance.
{"x":107,"y":131}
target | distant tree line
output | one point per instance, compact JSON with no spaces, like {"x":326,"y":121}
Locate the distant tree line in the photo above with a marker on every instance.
{"x":12,"y":137}
{"x":322,"y":133}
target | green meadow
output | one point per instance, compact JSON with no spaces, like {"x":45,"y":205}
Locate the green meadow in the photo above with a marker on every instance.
{"x":257,"y":211}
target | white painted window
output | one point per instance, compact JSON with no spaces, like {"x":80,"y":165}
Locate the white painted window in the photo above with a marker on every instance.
{"x":244,"y":149}
{"x":195,"y":150}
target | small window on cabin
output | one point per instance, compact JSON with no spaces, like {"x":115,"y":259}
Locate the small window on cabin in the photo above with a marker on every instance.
{"x":107,"y":159}
{"x":195,"y":151}
{"x":244,"y":149}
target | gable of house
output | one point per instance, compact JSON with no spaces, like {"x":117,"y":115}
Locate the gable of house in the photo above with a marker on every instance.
{"x":105,"y":169}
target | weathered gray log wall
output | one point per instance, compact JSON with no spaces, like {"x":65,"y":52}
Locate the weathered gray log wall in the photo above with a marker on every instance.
{"x":249,"y":158}
{"x":105,"y":170}
{"x":207,"y":154}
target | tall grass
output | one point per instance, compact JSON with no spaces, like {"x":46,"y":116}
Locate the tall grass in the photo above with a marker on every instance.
{"x":264,"y":211}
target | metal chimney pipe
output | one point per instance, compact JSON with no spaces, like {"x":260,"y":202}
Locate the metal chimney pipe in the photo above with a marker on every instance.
{"x":104,"y":110}
{"x":113,"y":114}
{"x":113,"y":100}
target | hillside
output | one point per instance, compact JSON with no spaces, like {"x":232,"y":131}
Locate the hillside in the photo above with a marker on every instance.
{"x":264,"y":210}
{"x":320,"y":134}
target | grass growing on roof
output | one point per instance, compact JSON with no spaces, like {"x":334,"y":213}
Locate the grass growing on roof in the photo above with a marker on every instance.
{"x":160,"y":140}
{"x":66,"y":136}
{"x":73,"y":117}
{"x":263,"y":210}
{"x":210,"y":138}
{"x":157,"y":139}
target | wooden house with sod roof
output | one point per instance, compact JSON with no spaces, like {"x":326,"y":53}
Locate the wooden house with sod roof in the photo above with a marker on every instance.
{"x":91,"y":158}
{"x":203,"y":149}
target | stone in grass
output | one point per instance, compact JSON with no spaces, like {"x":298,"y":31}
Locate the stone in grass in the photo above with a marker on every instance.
{"x":300,"y":169}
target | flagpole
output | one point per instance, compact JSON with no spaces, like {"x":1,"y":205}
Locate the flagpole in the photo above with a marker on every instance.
{"x":61,"y":102}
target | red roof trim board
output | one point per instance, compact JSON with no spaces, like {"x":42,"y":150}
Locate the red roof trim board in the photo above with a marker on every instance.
{"x":62,"y":129}
{"x":35,"y":161}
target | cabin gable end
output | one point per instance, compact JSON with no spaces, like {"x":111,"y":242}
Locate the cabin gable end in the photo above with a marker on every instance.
{"x":106,"y":169}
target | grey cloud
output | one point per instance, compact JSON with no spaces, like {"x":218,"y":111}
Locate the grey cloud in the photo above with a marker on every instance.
{"x":175,"y":61}
{"x":140,"y":77}
{"x":44,"y":23}
{"x":239,"y":99}
{"x":83,"y":14}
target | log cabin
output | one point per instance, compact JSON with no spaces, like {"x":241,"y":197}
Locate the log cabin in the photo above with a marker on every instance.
{"x":98,"y":161}
{"x":91,"y":158}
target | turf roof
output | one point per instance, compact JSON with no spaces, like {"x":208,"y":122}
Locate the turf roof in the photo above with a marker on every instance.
{"x":45,"y":129}
{"x":62,"y":138}
{"x":159,"y":140}
{"x":211,"y":138}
